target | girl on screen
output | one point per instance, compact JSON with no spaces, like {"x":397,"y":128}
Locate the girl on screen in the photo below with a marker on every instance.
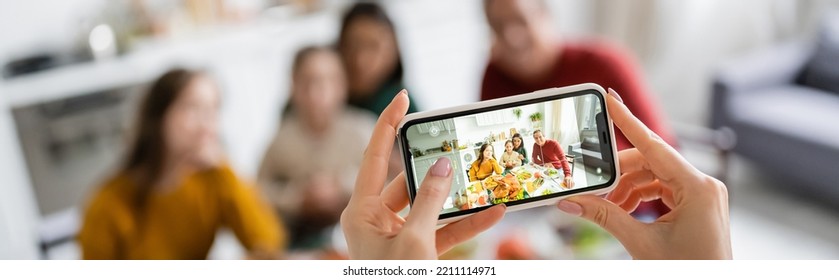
{"x":485,"y":165}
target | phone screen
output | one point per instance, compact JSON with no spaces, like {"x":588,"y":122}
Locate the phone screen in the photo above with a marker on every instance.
{"x":514,"y":153}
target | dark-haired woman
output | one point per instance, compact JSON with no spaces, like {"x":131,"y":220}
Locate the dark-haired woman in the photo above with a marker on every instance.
{"x":175,"y":190}
{"x":518,"y":146}
{"x":370,"y":51}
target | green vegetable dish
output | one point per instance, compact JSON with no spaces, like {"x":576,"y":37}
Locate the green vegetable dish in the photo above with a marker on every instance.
{"x":522,"y":195}
{"x":553,"y":173}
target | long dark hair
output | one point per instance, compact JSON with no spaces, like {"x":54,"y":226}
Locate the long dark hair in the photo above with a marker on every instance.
{"x":481,"y":154}
{"x":145,"y":159}
{"x":517,"y":135}
{"x":375,"y":12}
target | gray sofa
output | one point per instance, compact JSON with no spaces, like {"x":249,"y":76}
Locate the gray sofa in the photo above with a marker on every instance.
{"x":783,"y":105}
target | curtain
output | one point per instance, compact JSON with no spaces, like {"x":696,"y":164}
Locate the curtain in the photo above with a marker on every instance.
{"x":563,"y":128}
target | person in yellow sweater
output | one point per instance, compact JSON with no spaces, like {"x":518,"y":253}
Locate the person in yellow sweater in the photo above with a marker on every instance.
{"x":175,"y":190}
{"x":485,"y":165}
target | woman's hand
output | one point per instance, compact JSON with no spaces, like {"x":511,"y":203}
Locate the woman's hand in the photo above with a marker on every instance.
{"x":697,"y":225}
{"x":370,"y":222}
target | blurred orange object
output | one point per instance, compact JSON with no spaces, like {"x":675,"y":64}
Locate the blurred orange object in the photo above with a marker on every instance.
{"x":513,"y":247}
{"x":332,"y":254}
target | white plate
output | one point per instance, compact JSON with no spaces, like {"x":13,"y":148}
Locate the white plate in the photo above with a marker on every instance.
{"x":557,"y":176}
{"x":547,"y":185}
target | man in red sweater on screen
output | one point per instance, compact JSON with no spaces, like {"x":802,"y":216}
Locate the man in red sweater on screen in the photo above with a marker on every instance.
{"x":548,"y":153}
{"x":527,"y":55}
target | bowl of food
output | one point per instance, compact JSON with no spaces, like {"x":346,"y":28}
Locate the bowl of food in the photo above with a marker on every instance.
{"x":533,"y":185}
{"x":476,"y":187}
{"x":472,"y":196}
{"x":519,"y":169}
{"x":523,"y":175}
{"x":478,"y":199}
{"x":551,"y":172}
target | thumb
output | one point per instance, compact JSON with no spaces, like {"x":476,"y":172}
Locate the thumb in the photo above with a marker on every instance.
{"x":430,"y":197}
{"x":602,"y":212}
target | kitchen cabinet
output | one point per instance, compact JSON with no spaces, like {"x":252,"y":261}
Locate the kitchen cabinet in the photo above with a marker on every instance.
{"x":495,"y":118}
{"x":444,"y":125}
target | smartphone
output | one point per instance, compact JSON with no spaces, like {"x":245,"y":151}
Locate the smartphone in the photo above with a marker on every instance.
{"x":524,"y":151}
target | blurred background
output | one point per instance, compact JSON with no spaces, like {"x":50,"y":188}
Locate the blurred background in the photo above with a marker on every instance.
{"x":749,"y":88}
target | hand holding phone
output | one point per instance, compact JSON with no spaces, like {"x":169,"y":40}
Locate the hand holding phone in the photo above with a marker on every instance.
{"x":653,"y":170}
{"x":559,"y":122}
{"x":374,"y":230}
{"x":371,"y":223}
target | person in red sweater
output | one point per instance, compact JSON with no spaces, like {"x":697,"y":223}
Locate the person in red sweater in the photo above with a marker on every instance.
{"x":527,"y":55}
{"x":548,"y":153}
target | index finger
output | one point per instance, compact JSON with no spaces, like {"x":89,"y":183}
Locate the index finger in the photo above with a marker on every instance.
{"x":373,"y":171}
{"x":635,"y":131}
{"x":661,"y":158}
{"x":455,"y":233}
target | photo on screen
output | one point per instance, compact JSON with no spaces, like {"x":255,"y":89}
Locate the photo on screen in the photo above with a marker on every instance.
{"x":515,"y":154}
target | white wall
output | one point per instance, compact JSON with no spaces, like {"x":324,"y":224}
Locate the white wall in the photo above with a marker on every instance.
{"x":28,"y":27}
{"x":42,"y":25}
{"x":441,"y":37}
{"x":469,"y":130}
{"x":18,"y":214}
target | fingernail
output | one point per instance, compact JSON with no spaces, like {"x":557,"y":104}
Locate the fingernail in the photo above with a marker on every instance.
{"x":570,"y":207}
{"x":442,"y":167}
{"x":400,"y":93}
{"x":615,"y":94}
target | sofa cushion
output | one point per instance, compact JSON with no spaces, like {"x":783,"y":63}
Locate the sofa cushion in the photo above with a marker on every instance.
{"x":821,"y":71}
{"x":808,"y":114}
